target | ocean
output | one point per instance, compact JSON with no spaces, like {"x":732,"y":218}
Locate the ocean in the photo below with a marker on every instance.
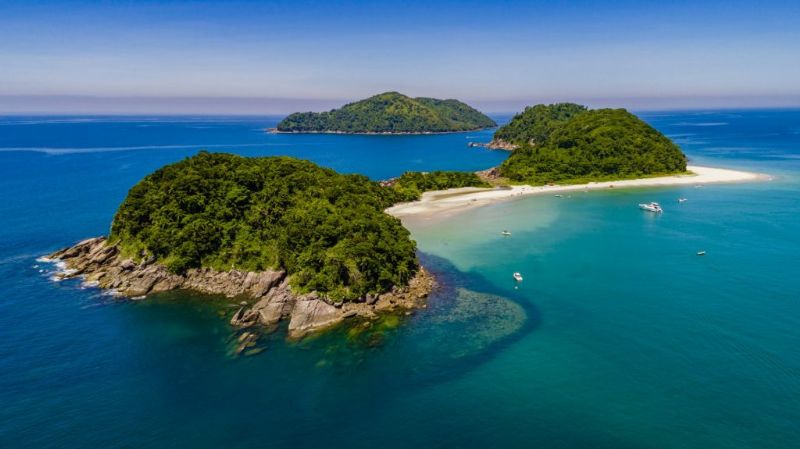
{"x":620,"y":336}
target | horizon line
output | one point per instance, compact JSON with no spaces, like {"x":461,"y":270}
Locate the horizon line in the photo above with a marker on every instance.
{"x":131,"y":105}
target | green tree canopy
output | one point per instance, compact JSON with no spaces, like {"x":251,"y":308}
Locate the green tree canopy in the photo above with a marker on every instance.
{"x":410,"y":185}
{"x":390,"y":112}
{"x":327,"y":230}
{"x":535,"y":123}
{"x":595,"y":145}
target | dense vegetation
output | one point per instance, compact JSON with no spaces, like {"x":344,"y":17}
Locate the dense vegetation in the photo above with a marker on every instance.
{"x":535,"y":123}
{"x":595,"y":145}
{"x":390,"y":112}
{"x":411,"y":185}
{"x":327,"y":230}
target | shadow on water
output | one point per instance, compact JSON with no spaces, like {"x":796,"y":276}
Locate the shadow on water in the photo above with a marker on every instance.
{"x":461,"y":329}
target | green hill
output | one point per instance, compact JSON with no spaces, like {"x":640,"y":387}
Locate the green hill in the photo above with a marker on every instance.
{"x":535,"y":123}
{"x":327,"y":230}
{"x":390,"y":112}
{"x":590,"y":145}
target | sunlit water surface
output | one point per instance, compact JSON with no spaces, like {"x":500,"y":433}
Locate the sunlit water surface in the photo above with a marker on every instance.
{"x":620,"y":336}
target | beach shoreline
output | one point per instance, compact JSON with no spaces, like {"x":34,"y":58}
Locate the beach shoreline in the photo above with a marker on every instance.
{"x":453,"y":201}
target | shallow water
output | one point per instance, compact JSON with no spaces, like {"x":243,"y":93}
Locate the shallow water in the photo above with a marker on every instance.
{"x":619,"y":336}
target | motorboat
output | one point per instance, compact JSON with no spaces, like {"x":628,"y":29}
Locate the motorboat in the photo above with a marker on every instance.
{"x":506,"y":233}
{"x":651,"y":207}
{"x":682,"y":200}
{"x":517,"y":277}
{"x":701,"y":253}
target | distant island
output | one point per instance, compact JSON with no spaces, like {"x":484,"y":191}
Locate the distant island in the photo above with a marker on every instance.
{"x":569,"y":143}
{"x":306,"y":243}
{"x":390,"y":113}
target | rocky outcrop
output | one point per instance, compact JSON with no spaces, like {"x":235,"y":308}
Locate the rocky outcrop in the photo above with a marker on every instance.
{"x":495,"y":144}
{"x":490,"y":175}
{"x":102,"y":264}
{"x":500,"y":144}
{"x":309,"y":314}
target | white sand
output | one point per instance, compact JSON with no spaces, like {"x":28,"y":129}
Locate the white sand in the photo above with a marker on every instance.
{"x":448,"y":202}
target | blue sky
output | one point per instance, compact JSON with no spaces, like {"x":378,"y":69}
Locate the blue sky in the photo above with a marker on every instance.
{"x":248,"y":56}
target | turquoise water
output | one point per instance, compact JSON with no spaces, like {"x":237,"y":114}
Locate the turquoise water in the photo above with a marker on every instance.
{"x":619,"y":336}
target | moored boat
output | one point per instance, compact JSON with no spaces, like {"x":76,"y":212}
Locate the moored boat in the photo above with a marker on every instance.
{"x":651,"y":207}
{"x":517,"y":277}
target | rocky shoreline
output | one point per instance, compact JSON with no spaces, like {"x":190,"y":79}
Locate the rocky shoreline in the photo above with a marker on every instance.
{"x":495,"y":144}
{"x":102,"y":265}
{"x":500,"y":144}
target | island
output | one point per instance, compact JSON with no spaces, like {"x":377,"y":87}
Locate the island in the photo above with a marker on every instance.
{"x":571,"y":144}
{"x":295,"y":241}
{"x":390,"y":113}
{"x":564,"y":148}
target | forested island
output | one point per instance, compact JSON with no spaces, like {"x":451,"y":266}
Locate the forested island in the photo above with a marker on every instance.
{"x":314,"y":246}
{"x":308,"y":244}
{"x":569,"y":143}
{"x":390,"y":113}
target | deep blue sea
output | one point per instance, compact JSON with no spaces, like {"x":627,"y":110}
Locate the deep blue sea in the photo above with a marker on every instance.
{"x":619,"y":337}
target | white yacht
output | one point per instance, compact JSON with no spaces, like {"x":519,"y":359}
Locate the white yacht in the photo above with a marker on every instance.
{"x":651,"y":207}
{"x":517,"y":277}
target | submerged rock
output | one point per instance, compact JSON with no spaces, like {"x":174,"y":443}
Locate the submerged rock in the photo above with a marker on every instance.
{"x":484,"y":319}
{"x":246,"y":340}
{"x":253,"y":351}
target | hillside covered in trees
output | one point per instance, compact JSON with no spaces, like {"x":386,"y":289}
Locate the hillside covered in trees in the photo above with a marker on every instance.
{"x":535,"y":123}
{"x":390,"y":113}
{"x":327,"y":230}
{"x":570,"y":143}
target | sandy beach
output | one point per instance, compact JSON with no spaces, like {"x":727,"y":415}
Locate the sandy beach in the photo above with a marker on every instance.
{"x":449,"y":202}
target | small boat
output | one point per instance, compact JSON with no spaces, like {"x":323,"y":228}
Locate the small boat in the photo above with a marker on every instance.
{"x":701,"y":253}
{"x":651,"y":207}
{"x":559,"y":196}
{"x":506,"y":233}
{"x":517,"y":277}
{"x":682,"y":200}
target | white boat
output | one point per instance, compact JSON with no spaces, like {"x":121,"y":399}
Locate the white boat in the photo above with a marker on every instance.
{"x":559,"y":196}
{"x":651,"y":207}
{"x":506,"y":233}
{"x":701,"y":253}
{"x":517,"y":277}
{"x":682,"y":200}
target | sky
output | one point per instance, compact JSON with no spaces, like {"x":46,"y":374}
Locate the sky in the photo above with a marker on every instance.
{"x":281,"y":56}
